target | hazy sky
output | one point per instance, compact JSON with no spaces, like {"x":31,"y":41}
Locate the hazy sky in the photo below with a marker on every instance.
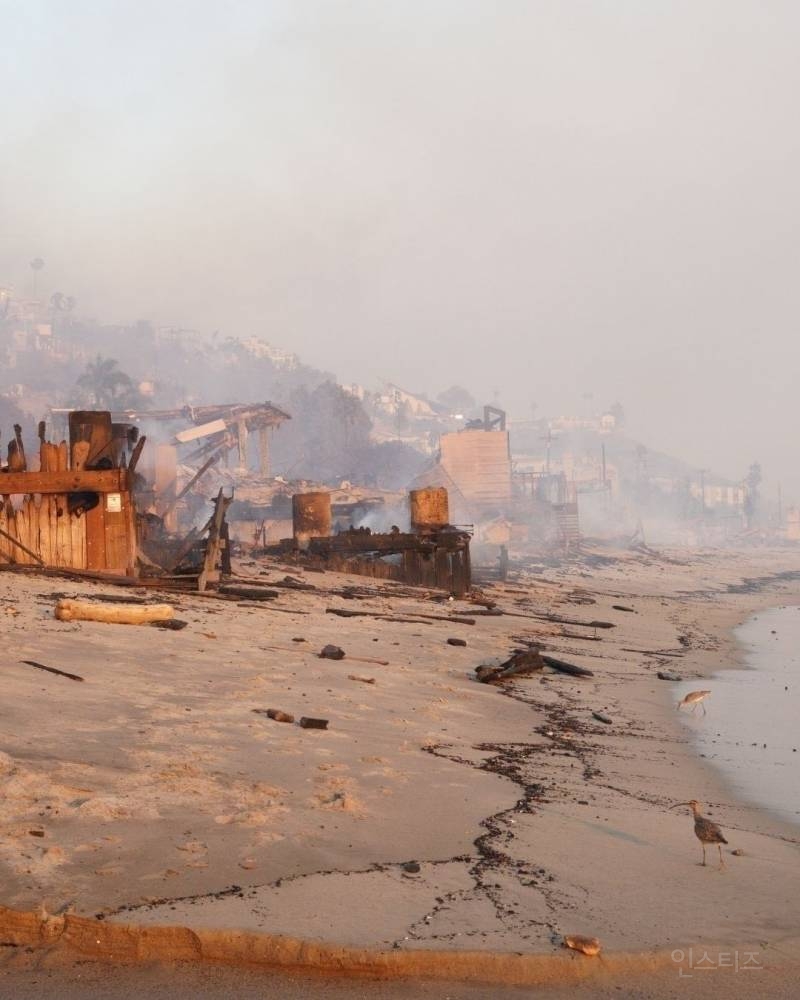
{"x":548,"y":199}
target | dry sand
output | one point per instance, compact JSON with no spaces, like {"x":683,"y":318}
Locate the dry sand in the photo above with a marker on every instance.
{"x":163,"y":798}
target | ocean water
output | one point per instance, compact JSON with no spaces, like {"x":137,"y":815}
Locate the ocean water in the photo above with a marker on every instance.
{"x":751,"y":730}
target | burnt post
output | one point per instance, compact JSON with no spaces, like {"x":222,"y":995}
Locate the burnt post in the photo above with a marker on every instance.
{"x":311,"y":517}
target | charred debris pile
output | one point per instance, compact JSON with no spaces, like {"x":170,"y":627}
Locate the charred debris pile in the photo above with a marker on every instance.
{"x":101,"y":502}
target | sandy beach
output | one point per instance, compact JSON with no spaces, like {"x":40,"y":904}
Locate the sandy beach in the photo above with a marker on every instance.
{"x":434,"y":814}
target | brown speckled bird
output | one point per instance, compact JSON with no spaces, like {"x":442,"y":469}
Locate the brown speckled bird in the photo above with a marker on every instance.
{"x":705,"y":831}
{"x":694,"y":698}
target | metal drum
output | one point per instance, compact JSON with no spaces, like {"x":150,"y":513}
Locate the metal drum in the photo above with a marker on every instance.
{"x":429,"y":508}
{"x":311,"y":517}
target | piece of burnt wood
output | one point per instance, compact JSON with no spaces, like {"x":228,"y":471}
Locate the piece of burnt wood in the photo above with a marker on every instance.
{"x":621,"y":607}
{"x":93,"y":426}
{"x":52,"y":670}
{"x":290,"y":583}
{"x":16,"y":464}
{"x":566,"y":668}
{"x":261,"y":605}
{"x":248,"y":593}
{"x":306,"y":723}
{"x":561,"y":620}
{"x":20,"y":446}
{"x":456,"y":642}
{"x":171,"y":625}
{"x":652,"y":652}
{"x":136,"y":454}
{"x":225,"y":560}
{"x":209,"y":572}
{"x":364,"y":680}
{"x":349,"y":613}
{"x":519,"y":664}
{"x":602,"y":717}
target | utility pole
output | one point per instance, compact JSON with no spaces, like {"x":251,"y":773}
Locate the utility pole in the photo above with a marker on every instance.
{"x":36,"y":265}
{"x":547,"y":439}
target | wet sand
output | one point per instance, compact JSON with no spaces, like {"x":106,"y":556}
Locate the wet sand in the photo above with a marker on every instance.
{"x":749,"y":731}
{"x":164,"y":799}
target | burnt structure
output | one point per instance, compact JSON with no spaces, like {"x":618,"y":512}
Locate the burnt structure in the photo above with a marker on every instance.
{"x":84,"y":509}
{"x":434,"y":554}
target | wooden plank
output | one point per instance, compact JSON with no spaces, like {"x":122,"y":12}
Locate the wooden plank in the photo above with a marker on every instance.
{"x":77,"y":541}
{"x":80,"y":452}
{"x":96,"y":536}
{"x":52,"y":510}
{"x":72,"y":481}
{"x":203,"y":430}
{"x":63,"y":534}
{"x":31,"y":538}
{"x":210,"y":573}
{"x":116,"y":532}
{"x":93,"y":426}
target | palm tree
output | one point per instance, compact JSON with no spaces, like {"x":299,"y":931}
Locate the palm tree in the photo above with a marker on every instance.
{"x":103,"y":385}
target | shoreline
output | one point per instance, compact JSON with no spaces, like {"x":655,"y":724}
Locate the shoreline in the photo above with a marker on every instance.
{"x":592,"y":792}
{"x":747,"y":661}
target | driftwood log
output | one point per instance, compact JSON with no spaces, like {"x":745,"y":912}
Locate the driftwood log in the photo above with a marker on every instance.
{"x":115,"y":614}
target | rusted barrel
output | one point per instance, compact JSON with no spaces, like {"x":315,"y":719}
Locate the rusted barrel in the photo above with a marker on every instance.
{"x":311,"y":517}
{"x":429,"y":508}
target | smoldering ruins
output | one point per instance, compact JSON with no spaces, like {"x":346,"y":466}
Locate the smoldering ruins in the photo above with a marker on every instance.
{"x":394,"y":406}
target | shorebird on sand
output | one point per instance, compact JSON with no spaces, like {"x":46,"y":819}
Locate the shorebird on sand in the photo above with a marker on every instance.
{"x":694,"y":698}
{"x":705,"y":831}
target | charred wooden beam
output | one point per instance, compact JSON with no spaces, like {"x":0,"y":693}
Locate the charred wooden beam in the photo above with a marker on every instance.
{"x":72,"y":481}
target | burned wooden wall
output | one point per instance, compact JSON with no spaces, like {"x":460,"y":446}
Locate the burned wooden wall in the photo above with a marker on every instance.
{"x":76,"y":510}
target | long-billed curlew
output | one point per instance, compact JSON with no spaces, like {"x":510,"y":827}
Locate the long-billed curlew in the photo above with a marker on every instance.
{"x":705,"y":831}
{"x":694,"y":698}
